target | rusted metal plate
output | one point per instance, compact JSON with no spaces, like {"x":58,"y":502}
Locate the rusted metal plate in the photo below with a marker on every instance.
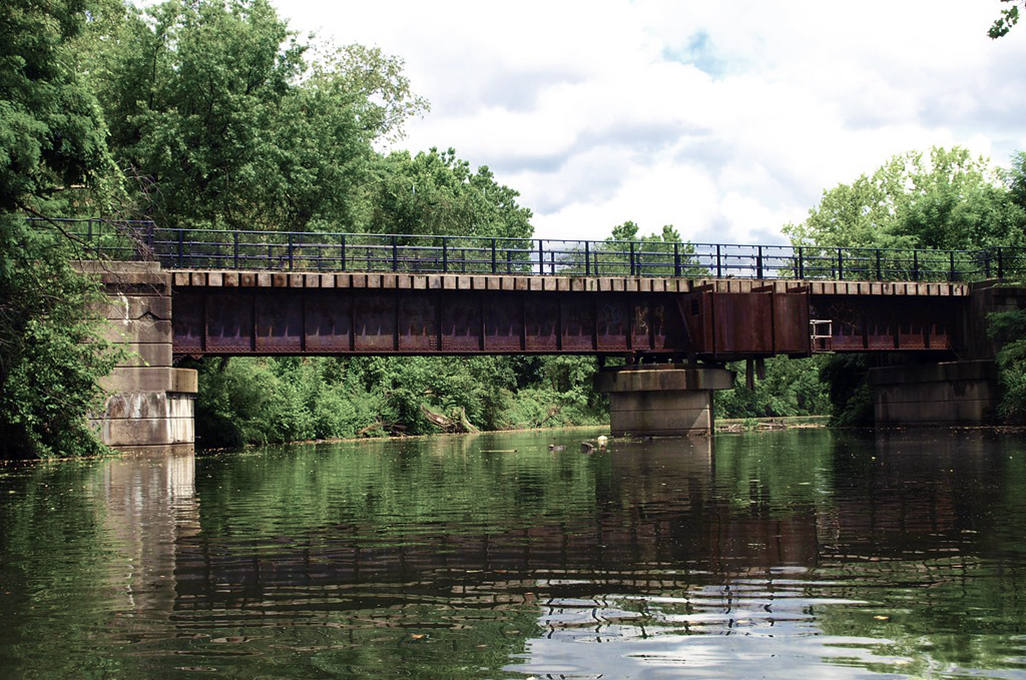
{"x":696,"y":311}
{"x":743,"y":323}
{"x":374,"y":328}
{"x":229,"y":322}
{"x":187,"y":322}
{"x":279,"y":322}
{"x":418,"y":322}
{"x":504,"y":323}
{"x":462,"y":329}
{"x":791,"y":323}
{"x":641,"y":325}
{"x":612,"y":322}
{"x":911,"y":336}
{"x":879,"y":335}
{"x":659,"y":323}
{"x":541,"y":318}
{"x":578,"y":323}
{"x":939,"y":337}
{"x":328,"y":322}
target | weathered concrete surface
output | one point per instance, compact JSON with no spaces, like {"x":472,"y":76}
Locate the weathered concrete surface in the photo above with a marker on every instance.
{"x":151,"y":403}
{"x":943,"y":393}
{"x":662,"y":401}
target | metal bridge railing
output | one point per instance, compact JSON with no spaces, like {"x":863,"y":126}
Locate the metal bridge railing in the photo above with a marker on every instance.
{"x":337,"y":252}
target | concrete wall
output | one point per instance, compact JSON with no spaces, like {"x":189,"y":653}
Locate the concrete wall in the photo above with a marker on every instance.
{"x":955,"y":392}
{"x":151,"y":405}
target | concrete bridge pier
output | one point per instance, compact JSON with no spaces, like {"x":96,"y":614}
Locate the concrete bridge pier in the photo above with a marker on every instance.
{"x":662,"y":400}
{"x":151,"y":403}
{"x":946,"y":393}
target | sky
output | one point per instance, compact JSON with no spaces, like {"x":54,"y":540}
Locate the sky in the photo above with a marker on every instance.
{"x":726,"y":120}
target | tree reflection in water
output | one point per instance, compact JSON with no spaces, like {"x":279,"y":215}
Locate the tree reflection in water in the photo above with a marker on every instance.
{"x":785,"y":554}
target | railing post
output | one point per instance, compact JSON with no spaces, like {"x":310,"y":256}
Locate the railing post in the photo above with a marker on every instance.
{"x":1001,"y":263}
{"x":951,"y":275}
{"x":395,"y":253}
{"x":719,"y":263}
{"x":633,"y":265}
{"x":445,"y":255}
{"x":915,"y":265}
{"x":879,"y":270}
{"x":235,"y":249}
{"x":676,"y":260}
{"x":290,"y":251}
{"x":758,"y":262}
{"x":494,"y":268}
{"x":801,"y":263}
{"x":181,"y":247}
{"x":342,"y":251}
{"x":840,"y":265}
{"x":541,"y":257}
{"x":587,"y":258}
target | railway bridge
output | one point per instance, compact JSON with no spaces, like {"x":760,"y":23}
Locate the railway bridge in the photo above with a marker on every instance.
{"x":675,"y":313}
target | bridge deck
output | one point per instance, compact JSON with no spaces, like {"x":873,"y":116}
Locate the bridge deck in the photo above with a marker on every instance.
{"x":536,"y":283}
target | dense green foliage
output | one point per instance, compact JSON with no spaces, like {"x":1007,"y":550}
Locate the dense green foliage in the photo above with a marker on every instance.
{"x":278,"y":400}
{"x":52,"y":157}
{"x":791,"y":387}
{"x":947,"y":199}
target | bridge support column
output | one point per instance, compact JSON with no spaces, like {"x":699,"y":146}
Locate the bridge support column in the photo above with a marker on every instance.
{"x":662,"y":400}
{"x":955,"y":392}
{"x":151,"y":403}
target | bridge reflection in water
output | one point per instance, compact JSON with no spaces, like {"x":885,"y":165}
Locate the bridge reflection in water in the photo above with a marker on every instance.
{"x":433,"y":555}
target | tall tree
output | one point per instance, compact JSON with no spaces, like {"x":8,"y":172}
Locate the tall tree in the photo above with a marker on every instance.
{"x":438,"y":193}
{"x":53,"y":156}
{"x":217,"y":111}
{"x":948,"y":199}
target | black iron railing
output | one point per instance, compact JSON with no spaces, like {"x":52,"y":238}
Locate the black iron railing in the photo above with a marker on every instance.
{"x":337,"y":252}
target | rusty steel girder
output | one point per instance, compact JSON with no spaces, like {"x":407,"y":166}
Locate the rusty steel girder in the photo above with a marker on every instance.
{"x":710,"y":320}
{"x":363,"y":321}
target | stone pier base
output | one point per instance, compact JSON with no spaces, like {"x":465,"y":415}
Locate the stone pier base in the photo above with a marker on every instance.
{"x":151,"y":403}
{"x":662,"y":400}
{"x":949,"y":393}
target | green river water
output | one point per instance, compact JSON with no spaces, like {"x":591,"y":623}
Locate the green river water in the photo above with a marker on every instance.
{"x":795,"y":554}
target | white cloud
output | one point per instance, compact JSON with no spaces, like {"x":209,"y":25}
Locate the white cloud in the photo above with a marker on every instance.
{"x":725,"y":120}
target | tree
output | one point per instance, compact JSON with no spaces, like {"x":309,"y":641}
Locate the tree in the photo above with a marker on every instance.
{"x":947,"y":200}
{"x":215,"y":108}
{"x":438,"y":193}
{"x":52,"y":134}
{"x":53,"y":157}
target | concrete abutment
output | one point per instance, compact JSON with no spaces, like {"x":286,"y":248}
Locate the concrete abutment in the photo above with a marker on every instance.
{"x":946,"y":393}
{"x":151,"y":406}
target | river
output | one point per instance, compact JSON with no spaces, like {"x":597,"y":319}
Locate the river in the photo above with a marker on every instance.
{"x":793,"y":554}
